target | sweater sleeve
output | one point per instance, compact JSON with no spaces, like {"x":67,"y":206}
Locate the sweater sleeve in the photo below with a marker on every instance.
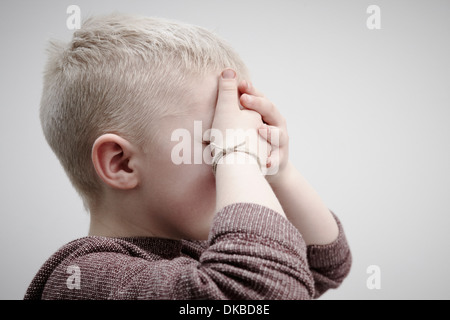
{"x":252,"y":253}
{"x":330,"y":263}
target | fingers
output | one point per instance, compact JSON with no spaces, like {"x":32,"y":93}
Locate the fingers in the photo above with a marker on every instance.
{"x":264,"y":107}
{"x":273,"y":159}
{"x":275,"y":136}
{"x":253,"y":99}
{"x":247,"y":87}
{"x":264,"y":131}
{"x":227,"y":92}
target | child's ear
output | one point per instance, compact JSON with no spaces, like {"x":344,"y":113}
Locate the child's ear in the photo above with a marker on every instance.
{"x":113,"y":158}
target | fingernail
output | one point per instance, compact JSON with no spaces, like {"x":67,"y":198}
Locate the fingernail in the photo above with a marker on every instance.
{"x":263,"y":131}
{"x":228,"y":74}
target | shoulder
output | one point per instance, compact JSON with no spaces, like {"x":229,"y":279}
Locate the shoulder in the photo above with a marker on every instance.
{"x":95,"y":257}
{"x":94,"y":244}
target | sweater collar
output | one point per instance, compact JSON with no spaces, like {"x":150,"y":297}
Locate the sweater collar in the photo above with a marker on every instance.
{"x":165,"y":248}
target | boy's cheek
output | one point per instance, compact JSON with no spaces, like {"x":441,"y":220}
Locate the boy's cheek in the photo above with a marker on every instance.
{"x":194,"y":198}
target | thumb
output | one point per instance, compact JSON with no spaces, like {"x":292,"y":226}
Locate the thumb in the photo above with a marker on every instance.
{"x":228,"y":93}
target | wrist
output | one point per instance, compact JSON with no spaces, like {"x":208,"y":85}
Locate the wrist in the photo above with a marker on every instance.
{"x":248,"y":151}
{"x":283,"y":176}
{"x":235,"y":157}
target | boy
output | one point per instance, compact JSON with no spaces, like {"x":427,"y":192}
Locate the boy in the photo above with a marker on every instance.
{"x":111,"y":103}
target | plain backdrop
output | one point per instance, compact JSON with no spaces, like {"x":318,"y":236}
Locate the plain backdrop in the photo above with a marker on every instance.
{"x":368,"y":117}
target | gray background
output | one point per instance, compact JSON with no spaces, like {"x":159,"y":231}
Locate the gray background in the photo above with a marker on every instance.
{"x":367,"y":110}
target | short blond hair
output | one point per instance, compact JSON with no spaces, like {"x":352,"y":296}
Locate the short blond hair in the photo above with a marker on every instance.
{"x":119,"y":74}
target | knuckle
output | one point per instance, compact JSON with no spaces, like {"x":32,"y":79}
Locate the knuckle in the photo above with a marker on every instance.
{"x":272,"y":107}
{"x":228,"y":86}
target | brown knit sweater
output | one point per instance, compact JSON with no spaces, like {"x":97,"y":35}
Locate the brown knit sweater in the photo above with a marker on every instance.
{"x":252,"y":253}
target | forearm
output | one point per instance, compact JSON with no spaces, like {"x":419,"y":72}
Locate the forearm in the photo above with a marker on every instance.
{"x":304,"y":208}
{"x":243,"y":182}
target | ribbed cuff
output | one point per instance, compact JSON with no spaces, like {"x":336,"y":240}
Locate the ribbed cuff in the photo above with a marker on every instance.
{"x":257,"y":220}
{"x":332,"y":254}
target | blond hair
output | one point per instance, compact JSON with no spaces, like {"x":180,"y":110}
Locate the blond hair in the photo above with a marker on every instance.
{"x":119,"y":74}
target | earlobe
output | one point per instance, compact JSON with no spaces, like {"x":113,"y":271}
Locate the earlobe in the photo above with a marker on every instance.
{"x":113,"y":158}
